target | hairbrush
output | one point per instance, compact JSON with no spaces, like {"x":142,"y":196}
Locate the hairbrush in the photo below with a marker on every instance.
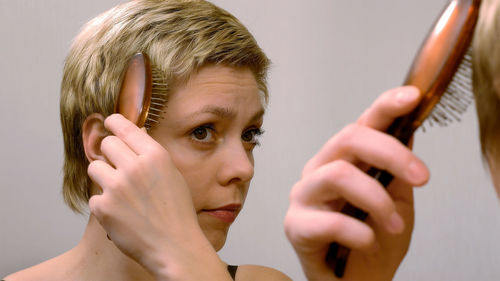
{"x":143,"y":92}
{"x":442,"y":72}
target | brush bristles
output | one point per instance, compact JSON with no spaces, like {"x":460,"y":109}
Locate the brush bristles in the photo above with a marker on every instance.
{"x":158,"y":99}
{"x":457,"y":97}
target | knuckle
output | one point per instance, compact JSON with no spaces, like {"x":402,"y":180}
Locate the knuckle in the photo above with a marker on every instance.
{"x":299,"y":229}
{"x":108,"y":142}
{"x":337,"y":224}
{"x":92,"y":203}
{"x":334,"y":172}
{"x":349,"y":129}
{"x":289,"y":222}
{"x":295,"y":193}
{"x":159,"y":156}
{"x":92,"y":168}
{"x":152,"y":151}
{"x":347,"y":135}
{"x":95,"y":206}
{"x":389,"y":94}
{"x":127,"y":129}
{"x":121,"y":126}
{"x":114,"y":184}
{"x":112,"y":118}
{"x":381,"y":204}
{"x":133,"y":171}
{"x":341,"y":168}
{"x":308,"y":168}
{"x":367,"y":240}
{"x":130,"y":167}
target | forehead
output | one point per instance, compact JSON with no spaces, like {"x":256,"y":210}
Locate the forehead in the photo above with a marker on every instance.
{"x":216,"y":85}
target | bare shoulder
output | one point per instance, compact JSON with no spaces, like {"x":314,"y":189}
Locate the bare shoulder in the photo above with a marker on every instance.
{"x":32,"y":273}
{"x":49,"y":270}
{"x":258,"y":272}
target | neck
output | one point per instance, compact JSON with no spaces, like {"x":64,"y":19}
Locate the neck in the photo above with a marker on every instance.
{"x":97,"y":258}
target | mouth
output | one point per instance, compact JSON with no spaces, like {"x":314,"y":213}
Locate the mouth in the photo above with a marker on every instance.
{"x":226,"y":213}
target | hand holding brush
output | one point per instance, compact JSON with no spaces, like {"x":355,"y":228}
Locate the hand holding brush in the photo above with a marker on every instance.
{"x":339,"y":177}
{"x":442,"y":72}
{"x":336,"y":174}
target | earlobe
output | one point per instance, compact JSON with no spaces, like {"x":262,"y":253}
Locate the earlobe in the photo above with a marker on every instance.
{"x":93,"y":132}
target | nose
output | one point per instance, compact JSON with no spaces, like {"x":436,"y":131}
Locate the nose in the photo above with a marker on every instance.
{"x":236,"y":165}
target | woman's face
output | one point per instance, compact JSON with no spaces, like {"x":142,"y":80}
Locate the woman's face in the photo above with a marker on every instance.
{"x":211,"y":125}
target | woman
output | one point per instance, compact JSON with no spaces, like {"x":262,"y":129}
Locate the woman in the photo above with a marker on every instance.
{"x":176,"y":191}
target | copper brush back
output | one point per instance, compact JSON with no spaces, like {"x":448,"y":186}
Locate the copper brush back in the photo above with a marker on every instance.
{"x":143,"y":92}
{"x":441,"y":71}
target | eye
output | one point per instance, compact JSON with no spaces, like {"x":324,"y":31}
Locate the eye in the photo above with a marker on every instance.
{"x":203,"y":134}
{"x":252,"y":136}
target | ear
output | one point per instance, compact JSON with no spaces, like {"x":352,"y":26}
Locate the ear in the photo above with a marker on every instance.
{"x":93,"y":132}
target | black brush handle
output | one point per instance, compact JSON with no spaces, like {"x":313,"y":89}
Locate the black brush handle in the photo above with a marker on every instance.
{"x":337,"y":254}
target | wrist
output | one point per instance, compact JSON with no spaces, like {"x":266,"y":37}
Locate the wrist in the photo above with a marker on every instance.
{"x":190,"y":258}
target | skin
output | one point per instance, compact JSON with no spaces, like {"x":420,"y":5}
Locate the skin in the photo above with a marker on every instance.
{"x":162,"y":198}
{"x":336,"y":174}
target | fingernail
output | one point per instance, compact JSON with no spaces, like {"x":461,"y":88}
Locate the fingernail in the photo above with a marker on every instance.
{"x":416,"y":172}
{"x":407,"y":95}
{"x":396,"y":223}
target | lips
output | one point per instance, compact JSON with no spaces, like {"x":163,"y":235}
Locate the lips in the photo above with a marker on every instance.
{"x":226,"y":213}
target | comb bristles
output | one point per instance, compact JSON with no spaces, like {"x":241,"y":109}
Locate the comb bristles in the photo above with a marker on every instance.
{"x":454,"y":102}
{"x":153,"y":114}
{"x":156,"y":110}
{"x":457,"y":96}
{"x":457,"y":100}
{"x":159,"y":85}
{"x":449,"y":110}
{"x":157,"y":104}
{"x":158,"y":98}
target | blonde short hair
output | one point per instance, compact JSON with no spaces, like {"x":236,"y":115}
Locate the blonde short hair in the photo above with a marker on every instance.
{"x":180,"y":36}
{"x":486,"y":76}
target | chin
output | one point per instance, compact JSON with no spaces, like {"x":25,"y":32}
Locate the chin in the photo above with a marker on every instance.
{"x":215,"y":230}
{"x":216,"y":236}
{"x":217,"y":239}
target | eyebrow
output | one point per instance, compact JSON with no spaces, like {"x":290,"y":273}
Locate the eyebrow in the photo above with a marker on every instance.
{"x":224,"y":112}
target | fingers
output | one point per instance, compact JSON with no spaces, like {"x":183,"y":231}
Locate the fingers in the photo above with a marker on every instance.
{"x":342,"y":179}
{"x":116,"y":151}
{"x":381,"y":151}
{"x":320,"y":227}
{"x":389,"y":106}
{"x":101,"y":173}
{"x":134,"y":137}
{"x":95,"y":206}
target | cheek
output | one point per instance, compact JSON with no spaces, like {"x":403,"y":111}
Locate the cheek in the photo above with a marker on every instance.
{"x":198,"y":173}
{"x":244,"y":192}
{"x":196,"y":167}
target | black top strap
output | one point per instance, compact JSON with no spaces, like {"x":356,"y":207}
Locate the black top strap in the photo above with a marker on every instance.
{"x":232,"y":270}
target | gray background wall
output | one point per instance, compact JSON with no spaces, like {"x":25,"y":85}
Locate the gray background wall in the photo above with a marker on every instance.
{"x":331,"y":59}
